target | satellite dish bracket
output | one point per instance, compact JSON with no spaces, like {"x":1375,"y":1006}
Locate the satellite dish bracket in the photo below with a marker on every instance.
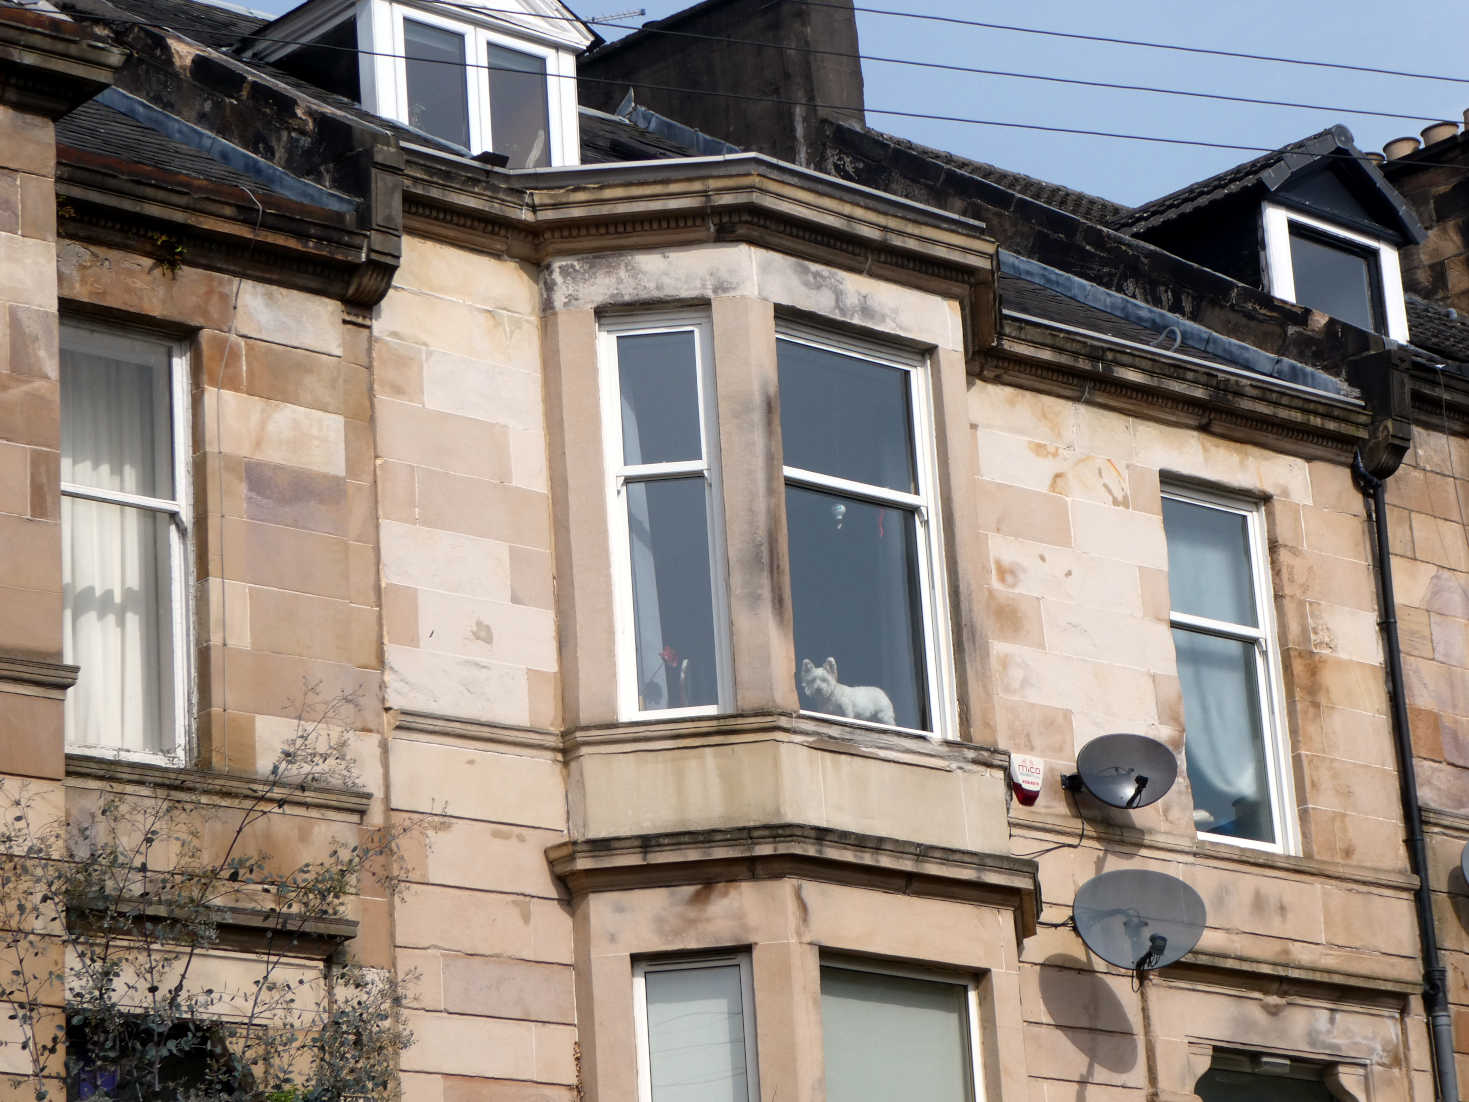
{"x":1111,"y":768}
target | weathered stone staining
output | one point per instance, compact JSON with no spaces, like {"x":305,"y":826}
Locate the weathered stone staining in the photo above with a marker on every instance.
{"x":401,"y":501}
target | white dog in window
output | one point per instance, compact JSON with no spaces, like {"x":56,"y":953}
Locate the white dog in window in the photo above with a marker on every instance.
{"x":828,"y":695}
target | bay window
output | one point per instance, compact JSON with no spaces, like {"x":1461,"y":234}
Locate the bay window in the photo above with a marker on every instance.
{"x":888,"y":1034}
{"x":861,"y":528}
{"x":666,"y":516}
{"x":862,"y":532}
{"x":1219,"y":586}
{"x":695,"y":1020}
{"x":124,"y":491}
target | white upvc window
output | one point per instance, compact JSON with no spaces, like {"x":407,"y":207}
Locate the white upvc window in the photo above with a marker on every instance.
{"x":863,"y":530}
{"x":1335,"y":270}
{"x":478,"y":86}
{"x":125,"y":536}
{"x":1229,"y":668}
{"x":695,"y":1020}
{"x":662,"y":453}
{"x":891,"y":1032}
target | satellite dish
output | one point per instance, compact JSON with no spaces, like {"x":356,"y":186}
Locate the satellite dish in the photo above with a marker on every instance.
{"x":1124,"y":770}
{"x":1464,"y":862}
{"x":1137,"y":918}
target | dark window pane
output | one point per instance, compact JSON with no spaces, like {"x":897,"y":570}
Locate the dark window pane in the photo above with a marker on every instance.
{"x":843,"y":416}
{"x":891,"y":1038}
{"x":1337,"y":281}
{"x":660,"y":397}
{"x":673,"y":602}
{"x":1225,"y":744}
{"x":855,"y":598}
{"x":1222,"y":1085}
{"x":520,"y":118}
{"x":1209,"y":562}
{"x":436,"y":88}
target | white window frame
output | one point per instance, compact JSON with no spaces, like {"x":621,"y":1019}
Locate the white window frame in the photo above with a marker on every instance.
{"x":682,"y":963}
{"x":384,"y":74}
{"x":937,"y":646}
{"x":698,"y":323}
{"x":1267,"y":662}
{"x":106,"y":341}
{"x":972,"y":1003}
{"x":1281,"y":272}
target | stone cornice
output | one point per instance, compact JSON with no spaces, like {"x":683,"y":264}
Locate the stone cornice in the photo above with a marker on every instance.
{"x":218,"y":227}
{"x":88,"y":770}
{"x":753,"y":199}
{"x":50,"y":65}
{"x":36,"y":676}
{"x":1262,"y":974}
{"x":1174,"y":846}
{"x":249,"y":929}
{"x":828,"y":734}
{"x":1234,"y":404}
{"x":1440,"y":400}
{"x":538,"y":740}
{"x":801,"y":851}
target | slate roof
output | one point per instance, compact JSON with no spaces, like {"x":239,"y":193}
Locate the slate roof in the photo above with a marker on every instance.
{"x":1024,"y":297}
{"x":102,"y":132}
{"x":97,"y":129}
{"x":213,"y":25}
{"x":1241,"y":177}
{"x":1093,"y":208}
{"x":1438,"y":329}
{"x":1268,"y":171}
{"x":607,"y":138}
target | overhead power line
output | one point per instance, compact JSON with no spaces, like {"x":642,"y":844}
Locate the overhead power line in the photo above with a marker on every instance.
{"x":748,"y":97}
{"x":669,"y":32}
{"x":1077,"y":36}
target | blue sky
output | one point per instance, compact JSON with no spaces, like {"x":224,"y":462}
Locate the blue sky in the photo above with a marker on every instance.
{"x":1423,"y":38}
{"x":1426,"y":38}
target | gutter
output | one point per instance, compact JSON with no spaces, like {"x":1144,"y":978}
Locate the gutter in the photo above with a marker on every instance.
{"x":1435,"y":976}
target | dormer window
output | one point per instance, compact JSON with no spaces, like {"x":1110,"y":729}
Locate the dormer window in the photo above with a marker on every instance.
{"x":500,"y":79}
{"x":1338,"y":271}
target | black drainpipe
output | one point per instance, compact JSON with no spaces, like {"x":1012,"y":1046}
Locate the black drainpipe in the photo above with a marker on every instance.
{"x":1435,"y":977}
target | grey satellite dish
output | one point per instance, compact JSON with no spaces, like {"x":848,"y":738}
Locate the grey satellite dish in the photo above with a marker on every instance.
{"x":1464,"y":862}
{"x":1124,"y":770}
{"x":1137,"y":918}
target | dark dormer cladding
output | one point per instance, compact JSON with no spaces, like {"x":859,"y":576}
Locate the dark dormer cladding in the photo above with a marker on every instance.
{"x":1313,"y":222}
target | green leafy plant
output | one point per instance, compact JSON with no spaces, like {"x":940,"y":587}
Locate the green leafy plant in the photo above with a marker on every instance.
{"x":152,"y":949}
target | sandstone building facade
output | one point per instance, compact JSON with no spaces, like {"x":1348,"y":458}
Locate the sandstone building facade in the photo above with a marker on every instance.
{"x":579,"y":484}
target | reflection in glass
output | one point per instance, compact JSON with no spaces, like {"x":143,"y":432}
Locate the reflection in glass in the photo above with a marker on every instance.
{"x":673,"y":603}
{"x":437,"y":101}
{"x":696,"y":1035}
{"x":1209,"y":562}
{"x":1336,"y":280}
{"x":116,"y":586}
{"x":520,"y":118}
{"x":855,"y":598}
{"x":1226,"y":738}
{"x":847,"y":417}
{"x":887,"y":1038}
{"x":658,"y":373}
